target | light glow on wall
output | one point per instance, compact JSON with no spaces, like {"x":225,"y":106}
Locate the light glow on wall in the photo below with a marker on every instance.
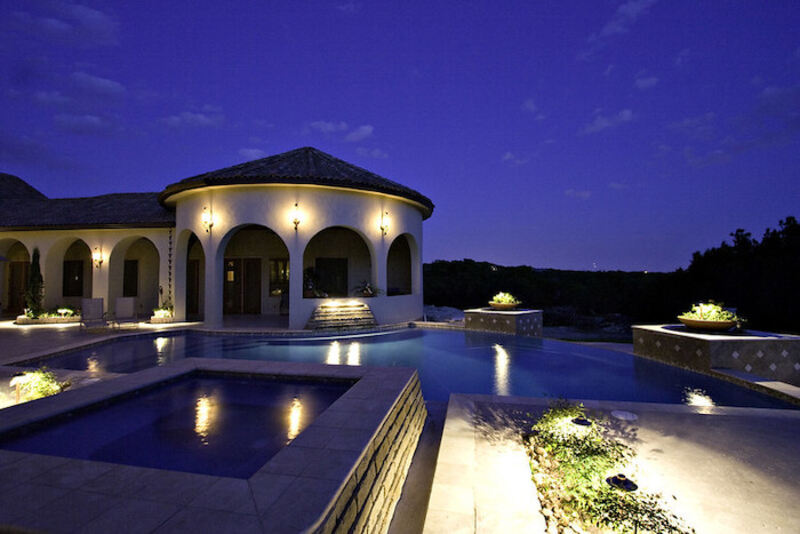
{"x":97,"y":257}
{"x":208,"y":219}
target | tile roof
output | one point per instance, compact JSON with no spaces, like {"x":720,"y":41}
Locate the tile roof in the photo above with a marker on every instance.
{"x":105,"y":211}
{"x":14,"y":187}
{"x":305,"y":165}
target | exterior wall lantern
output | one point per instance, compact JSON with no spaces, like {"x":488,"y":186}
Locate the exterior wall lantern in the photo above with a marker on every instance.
{"x":384,"y":226}
{"x":97,"y":257}
{"x":207,"y":218}
{"x":297,"y":217}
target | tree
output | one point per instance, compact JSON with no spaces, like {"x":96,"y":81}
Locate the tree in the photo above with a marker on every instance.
{"x":34,"y":292}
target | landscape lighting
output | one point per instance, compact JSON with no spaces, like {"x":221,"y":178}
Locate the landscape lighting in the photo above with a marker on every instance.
{"x":97,"y":257}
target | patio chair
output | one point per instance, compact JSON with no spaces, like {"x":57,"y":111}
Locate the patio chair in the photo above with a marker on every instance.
{"x":92,"y":315}
{"x":124,"y":312}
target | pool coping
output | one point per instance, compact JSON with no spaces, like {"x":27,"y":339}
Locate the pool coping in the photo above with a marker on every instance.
{"x":294,"y":490}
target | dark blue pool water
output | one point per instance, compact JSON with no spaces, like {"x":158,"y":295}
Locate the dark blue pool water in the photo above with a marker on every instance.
{"x":219,"y":426}
{"x":448,"y":362}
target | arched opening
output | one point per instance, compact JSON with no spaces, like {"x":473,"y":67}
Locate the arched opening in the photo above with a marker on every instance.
{"x":255,"y":272}
{"x":398,"y":267}
{"x":336,"y":263}
{"x":195,"y":279}
{"x":76,"y":274}
{"x":133,"y":272}
{"x":14,"y":268}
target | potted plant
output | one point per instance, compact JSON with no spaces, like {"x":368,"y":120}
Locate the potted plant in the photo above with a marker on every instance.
{"x":504,"y":301}
{"x":709,"y":316}
{"x":366,"y":289}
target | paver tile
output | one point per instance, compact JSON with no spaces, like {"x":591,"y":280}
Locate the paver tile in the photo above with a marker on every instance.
{"x":228,"y":495}
{"x":131,"y":516}
{"x":216,"y":521}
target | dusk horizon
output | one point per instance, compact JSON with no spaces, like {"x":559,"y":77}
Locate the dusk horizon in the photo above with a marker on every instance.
{"x":619,"y":135}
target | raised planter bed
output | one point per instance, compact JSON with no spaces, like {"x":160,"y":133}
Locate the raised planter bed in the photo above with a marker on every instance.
{"x":23,"y":319}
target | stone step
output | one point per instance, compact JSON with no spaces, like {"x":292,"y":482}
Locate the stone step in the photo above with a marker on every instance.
{"x":335,"y":316}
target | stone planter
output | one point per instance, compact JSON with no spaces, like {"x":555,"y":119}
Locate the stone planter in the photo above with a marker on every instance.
{"x":24,"y":319}
{"x":702,"y":324}
{"x":503,"y":306}
{"x":161,"y":320}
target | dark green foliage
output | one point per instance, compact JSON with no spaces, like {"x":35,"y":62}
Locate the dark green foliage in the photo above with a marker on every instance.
{"x":34,"y":291}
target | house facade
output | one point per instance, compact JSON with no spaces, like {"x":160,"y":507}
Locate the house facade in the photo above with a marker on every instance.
{"x":273,"y":237}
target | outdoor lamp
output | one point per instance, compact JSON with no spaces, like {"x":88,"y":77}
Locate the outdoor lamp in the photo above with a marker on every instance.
{"x":207,"y":219}
{"x":296,"y":220}
{"x":384,"y":222}
{"x":97,"y":257}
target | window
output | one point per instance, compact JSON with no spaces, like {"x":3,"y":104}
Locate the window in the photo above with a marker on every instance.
{"x":73,"y":278}
{"x":130,"y":278}
{"x":278,"y":276}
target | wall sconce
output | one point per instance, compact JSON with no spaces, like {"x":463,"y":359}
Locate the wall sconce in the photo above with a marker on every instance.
{"x":207,"y":218}
{"x":97,"y":257}
{"x":296,"y":217}
{"x":384,"y":222}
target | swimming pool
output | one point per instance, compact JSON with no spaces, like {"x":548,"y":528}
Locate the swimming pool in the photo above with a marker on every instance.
{"x":214,"y":425}
{"x":448,"y":361}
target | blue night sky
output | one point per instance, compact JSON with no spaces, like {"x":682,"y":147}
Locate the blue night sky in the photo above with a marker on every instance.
{"x":580,"y":135}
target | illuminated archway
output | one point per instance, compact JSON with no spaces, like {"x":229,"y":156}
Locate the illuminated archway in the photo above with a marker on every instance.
{"x":336,"y":262}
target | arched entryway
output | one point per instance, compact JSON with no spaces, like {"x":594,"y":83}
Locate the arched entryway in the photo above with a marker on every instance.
{"x":133,"y":272}
{"x":398,"y":267}
{"x":255,"y":272}
{"x":14,"y":268}
{"x":76,"y":274}
{"x":336,"y":263}
{"x":194,"y":291}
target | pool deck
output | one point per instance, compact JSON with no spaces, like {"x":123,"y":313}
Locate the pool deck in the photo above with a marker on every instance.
{"x":722,"y":470}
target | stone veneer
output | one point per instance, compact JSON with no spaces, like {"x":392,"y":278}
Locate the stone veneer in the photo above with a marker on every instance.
{"x":343,"y":473}
{"x":772,"y":356}
{"x":518,"y":322}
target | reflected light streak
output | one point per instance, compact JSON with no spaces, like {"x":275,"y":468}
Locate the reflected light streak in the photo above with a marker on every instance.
{"x":295,"y":418}
{"x":501,"y":381}
{"x":205,"y":416}
{"x":699,"y":398}
{"x":354,"y":354}
{"x":334,"y":354}
{"x":161,"y":343}
{"x":93,"y":366}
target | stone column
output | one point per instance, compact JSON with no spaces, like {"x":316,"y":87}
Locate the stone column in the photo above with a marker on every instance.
{"x":213,"y":283}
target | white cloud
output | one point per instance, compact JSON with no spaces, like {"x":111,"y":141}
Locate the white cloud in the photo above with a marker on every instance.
{"x":375,"y":153}
{"x":349,"y":7}
{"x":71,"y":23}
{"x":608,"y":71}
{"x":618,"y":185}
{"x":624,"y":17}
{"x":698,"y":127}
{"x":602,"y":122}
{"x":511,"y":159}
{"x":582,"y":194}
{"x":189,"y":118}
{"x":81,"y":124}
{"x":360,"y":133}
{"x":328,"y":127}
{"x":252,"y":153}
{"x":530,"y":105}
{"x":646,"y":83}
{"x":51,"y":98}
{"x":681,"y":58}
{"x":97,"y":85}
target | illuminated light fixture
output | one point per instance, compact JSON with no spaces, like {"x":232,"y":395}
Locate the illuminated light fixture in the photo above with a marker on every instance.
{"x":622,"y":482}
{"x":295,"y":418}
{"x":384,"y":226}
{"x":207,"y":218}
{"x":296,"y":216}
{"x":97,"y":257}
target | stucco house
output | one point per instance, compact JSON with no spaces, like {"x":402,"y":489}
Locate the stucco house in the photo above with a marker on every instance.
{"x":275,"y":237}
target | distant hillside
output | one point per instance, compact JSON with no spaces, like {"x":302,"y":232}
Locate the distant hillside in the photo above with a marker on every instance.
{"x":759,"y":278}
